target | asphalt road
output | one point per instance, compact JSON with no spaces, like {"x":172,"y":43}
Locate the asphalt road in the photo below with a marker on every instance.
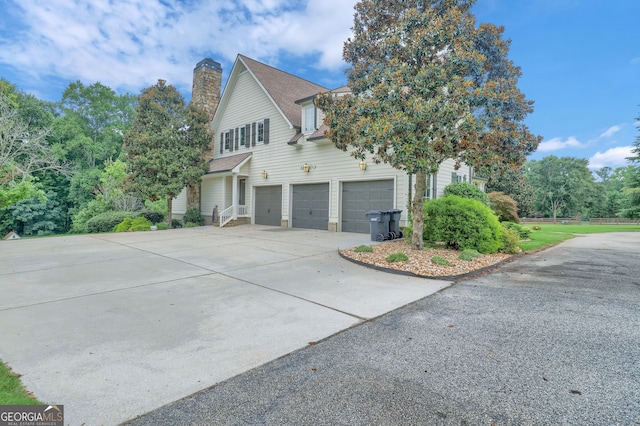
{"x":552,"y":338}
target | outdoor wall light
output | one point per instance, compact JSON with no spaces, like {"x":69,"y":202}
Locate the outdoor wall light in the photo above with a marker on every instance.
{"x":363,"y":165}
{"x":264,"y":174}
{"x":307,"y":167}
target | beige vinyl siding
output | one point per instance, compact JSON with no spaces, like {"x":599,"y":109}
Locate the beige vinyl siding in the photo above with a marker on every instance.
{"x":179,"y":204}
{"x":210,"y":194}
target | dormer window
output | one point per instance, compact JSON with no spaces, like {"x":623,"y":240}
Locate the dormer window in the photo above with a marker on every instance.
{"x":309,"y":117}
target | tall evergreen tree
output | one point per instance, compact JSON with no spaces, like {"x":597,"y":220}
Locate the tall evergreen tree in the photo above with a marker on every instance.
{"x":165,"y":145}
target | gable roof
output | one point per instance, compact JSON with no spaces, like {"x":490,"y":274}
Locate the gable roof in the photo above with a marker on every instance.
{"x":283,"y":88}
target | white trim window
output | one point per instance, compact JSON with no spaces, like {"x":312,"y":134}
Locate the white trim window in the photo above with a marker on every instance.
{"x":309,"y":117}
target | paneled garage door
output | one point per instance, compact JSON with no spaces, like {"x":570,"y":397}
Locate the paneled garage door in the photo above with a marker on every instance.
{"x":360,"y":197}
{"x":268,"y":205}
{"x":311,"y":206}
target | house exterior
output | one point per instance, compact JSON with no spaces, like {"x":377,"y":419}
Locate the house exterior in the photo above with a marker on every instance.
{"x":272,"y":164}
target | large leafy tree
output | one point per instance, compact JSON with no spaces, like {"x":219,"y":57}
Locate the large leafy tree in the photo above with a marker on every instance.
{"x":91,"y":124}
{"x":23,"y":148}
{"x":428,"y":84}
{"x":562,"y":185}
{"x":165,"y":145}
{"x":511,"y":182}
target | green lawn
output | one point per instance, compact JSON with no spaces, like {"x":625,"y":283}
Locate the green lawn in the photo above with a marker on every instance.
{"x":11,"y":390}
{"x":551,"y":234}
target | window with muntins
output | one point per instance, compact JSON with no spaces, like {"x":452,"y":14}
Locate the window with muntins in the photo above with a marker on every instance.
{"x":309,"y":119}
{"x":245,"y":136}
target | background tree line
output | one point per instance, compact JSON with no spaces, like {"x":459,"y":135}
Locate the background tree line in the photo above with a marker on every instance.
{"x":74,"y":167}
{"x":65,"y":163}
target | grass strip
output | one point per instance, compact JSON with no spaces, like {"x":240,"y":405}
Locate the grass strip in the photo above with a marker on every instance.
{"x":11,"y":390}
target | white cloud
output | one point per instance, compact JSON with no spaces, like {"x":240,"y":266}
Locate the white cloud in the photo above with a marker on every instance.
{"x":129,"y":44}
{"x":557,"y":144}
{"x":611,"y":131}
{"x":614,"y":157}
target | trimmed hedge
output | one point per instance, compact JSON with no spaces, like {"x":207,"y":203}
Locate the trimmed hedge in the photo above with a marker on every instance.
{"x":140,"y":224}
{"x":466,"y":190}
{"x":463,"y":223}
{"x":106,"y":222}
{"x":153,"y":217}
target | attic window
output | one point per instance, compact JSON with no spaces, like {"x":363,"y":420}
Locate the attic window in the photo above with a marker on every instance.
{"x":309,"y":119}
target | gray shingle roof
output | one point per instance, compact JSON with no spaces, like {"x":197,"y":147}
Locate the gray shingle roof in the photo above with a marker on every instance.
{"x":284,"y":88}
{"x":226,"y":164}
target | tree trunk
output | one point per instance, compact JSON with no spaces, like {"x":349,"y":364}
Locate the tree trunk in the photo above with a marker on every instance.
{"x":169,"y":210}
{"x":417,"y":210}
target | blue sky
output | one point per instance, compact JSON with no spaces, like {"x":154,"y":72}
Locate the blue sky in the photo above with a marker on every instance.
{"x":580,"y":59}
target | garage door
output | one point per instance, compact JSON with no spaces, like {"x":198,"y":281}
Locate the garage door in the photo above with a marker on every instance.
{"x":268,"y":205}
{"x":360,"y":197}
{"x":311,"y":206}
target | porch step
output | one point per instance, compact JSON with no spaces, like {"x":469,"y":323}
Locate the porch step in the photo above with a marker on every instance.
{"x":239,"y":221}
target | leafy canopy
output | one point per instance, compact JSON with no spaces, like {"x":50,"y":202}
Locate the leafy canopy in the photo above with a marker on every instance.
{"x":427,"y":85}
{"x":165,"y":145}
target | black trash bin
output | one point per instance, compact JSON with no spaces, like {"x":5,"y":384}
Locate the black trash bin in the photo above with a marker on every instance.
{"x":378,"y":224}
{"x":394,"y":223}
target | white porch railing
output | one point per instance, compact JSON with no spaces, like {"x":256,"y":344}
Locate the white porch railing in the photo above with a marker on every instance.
{"x":226,"y":215}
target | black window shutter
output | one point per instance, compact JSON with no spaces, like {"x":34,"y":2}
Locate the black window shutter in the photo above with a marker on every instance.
{"x":247,"y":135}
{"x":230,"y":133}
{"x":237,"y":138}
{"x":266,"y":131}
{"x":435,"y":187}
{"x":454,"y":177}
{"x":253,"y":134}
{"x":221,"y":143}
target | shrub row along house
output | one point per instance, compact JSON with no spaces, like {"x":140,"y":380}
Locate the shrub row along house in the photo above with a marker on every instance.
{"x":272,"y":164}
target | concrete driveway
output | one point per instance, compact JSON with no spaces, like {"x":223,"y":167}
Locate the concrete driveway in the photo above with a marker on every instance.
{"x":552,"y":338}
{"x":116,"y":325}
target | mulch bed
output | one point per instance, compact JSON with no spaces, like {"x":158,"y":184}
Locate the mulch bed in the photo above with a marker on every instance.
{"x":420,"y":263}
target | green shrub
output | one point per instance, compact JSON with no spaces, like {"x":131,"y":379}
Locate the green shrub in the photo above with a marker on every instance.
{"x":193,"y":215}
{"x":363,"y":249}
{"x":397,"y":257}
{"x":463,"y":223}
{"x":92,"y":209}
{"x":140,"y":224}
{"x":438,"y":260}
{"x":175,"y":223}
{"x":123,"y":226}
{"x":153,"y":217}
{"x":106,"y":222}
{"x":162,"y":226}
{"x":510,"y":241}
{"x":466,"y":190}
{"x":190,"y":225}
{"x":469,"y":254}
{"x":523,"y":232}
{"x":504,"y":206}
{"x":536,"y":227}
